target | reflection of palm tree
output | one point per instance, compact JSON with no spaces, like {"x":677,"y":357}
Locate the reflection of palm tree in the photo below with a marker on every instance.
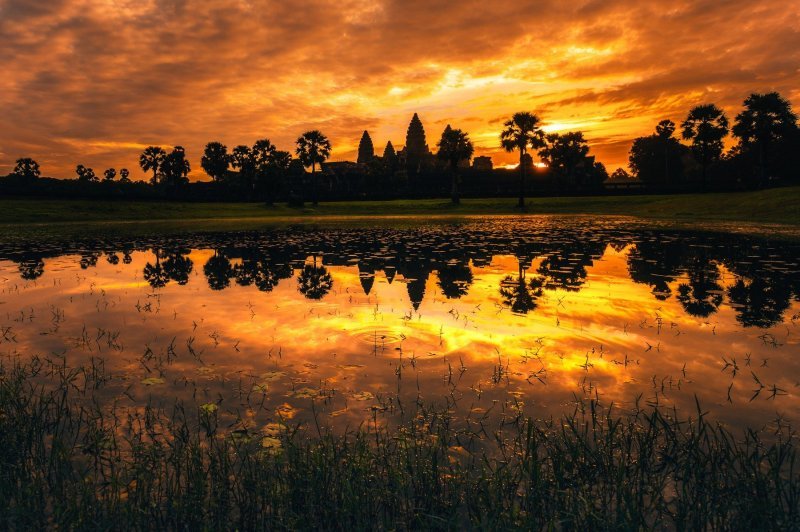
{"x":314,"y":281}
{"x":89,"y":259}
{"x":564,"y":271}
{"x":520,"y":294}
{"x":759,"y":303}
{"x":455,"y":280}
{"x":178,"y":267}
{"x":702,"y":295}
{"x":218,"y":271}
{"x":655,"y":262}
{"x":258,"y":270}
{"x":31,"y":269}
{"x":155,"y":274}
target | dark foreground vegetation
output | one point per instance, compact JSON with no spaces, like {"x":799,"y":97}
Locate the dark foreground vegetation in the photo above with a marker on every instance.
{"x":70,"y":460}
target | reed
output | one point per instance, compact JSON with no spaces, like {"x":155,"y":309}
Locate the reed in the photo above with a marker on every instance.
{"x":70,"y":459}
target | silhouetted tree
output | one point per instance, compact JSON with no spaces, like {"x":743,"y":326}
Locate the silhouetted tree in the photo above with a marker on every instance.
{"x":313,"y":148}
{"x":27,"y":168}
{"x":175,"y":168}
{"x":124,"y":175}
{"x":620,"y":175}
{"x":85,"y":174}
{"x":567,"y":156}
{"x":243,"y":161}
{"x":665,"y":131}
{"x":658,"y":158}
{"x":706,"y":126}
{"x":109,"y":174}
{"x":151,"y":159}
{"x":522,"y":132}
{"x":274,"y":174}
{"x":767,"y":120}
{"x":314,"y":282}
{"x":269,"y":165}
{"x":454,"y":147}
{"x":215,"y":160}
{"x":366,"y":151}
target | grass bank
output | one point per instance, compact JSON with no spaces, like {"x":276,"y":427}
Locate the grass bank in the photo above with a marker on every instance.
{"x":69,"y":461}
{"x":780,"y":206}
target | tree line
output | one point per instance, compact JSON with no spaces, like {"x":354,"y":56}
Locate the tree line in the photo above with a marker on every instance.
{"x":689,"y":156}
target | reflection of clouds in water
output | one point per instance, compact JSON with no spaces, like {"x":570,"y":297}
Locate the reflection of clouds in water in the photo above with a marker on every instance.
{"x":612,"y":321}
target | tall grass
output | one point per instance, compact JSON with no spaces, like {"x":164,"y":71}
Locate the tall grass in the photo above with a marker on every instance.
{"x":69,"y":459}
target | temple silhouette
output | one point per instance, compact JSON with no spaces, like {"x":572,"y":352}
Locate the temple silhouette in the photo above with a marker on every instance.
{"x":413,"y":159}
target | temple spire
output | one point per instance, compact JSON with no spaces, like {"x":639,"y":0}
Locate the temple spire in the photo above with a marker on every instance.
{"x":366,"y":151}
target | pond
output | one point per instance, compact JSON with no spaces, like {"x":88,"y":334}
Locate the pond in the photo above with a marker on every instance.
{"x":345,"y":325}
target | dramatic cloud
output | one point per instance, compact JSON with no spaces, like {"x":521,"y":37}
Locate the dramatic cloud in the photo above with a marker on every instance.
{"x":94,"y":81}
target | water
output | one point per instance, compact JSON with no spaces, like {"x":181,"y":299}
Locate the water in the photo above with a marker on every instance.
{"x":353,"y":325}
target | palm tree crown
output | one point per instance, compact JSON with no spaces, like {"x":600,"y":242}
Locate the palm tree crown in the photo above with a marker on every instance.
{"x":313,"y":148}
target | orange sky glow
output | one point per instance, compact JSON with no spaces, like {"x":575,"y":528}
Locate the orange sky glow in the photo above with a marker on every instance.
{"x":93,"y":82}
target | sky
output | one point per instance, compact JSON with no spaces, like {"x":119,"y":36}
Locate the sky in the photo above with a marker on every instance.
{"x":93,"y":82}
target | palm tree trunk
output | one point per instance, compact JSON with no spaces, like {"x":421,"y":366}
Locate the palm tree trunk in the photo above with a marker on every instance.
{"x":454,"y":197}
{"x":522,"y":169}
{"x":313,"y":183}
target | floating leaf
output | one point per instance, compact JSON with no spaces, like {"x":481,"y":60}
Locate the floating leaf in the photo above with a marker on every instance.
{"x":152,"y":381}
{"x":272,"y":375}
{"x":273,"y":429}
{"x":363,"y":396}
{"x":305,"y":393}
{"x":271,"y":445}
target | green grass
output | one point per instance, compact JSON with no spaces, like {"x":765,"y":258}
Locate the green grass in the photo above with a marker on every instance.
{"x":780,"y":206}
{"x":68,"y":460}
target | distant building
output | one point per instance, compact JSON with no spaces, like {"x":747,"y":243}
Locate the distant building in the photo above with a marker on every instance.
{"x":366,"y":151}
{"x":482,"y":163}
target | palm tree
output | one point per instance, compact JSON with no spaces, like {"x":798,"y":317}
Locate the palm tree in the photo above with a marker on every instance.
{"x":85,"y":174}
{"x":215,"y":160}
{"x":664,"y":131}
{"x":522,"y":131}
{"x":151,"y":159}
{"x":313,"y":148}
{"x":175,"y":168}
{"x":110,"y":174}
{"x":123,"y":175}
{"x":766,"y":120}
{"x":706,"y":126}
{"x":454,"y":147}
